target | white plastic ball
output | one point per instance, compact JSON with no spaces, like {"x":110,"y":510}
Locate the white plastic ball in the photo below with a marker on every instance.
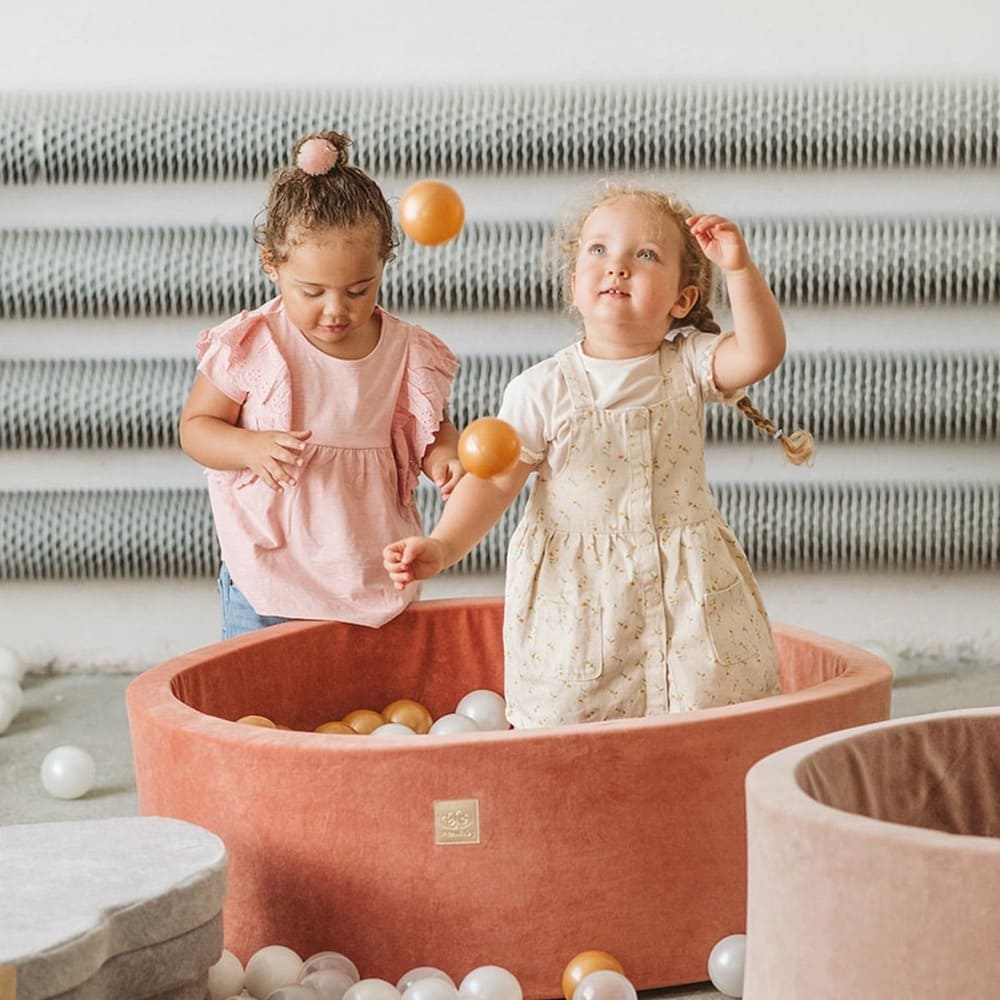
{"x":454,"y":723}
{"x":330,"y":984}
{"x":372,"y":989}
{"x":486,"y":708}
{"x":604,"y":984}
{"x":393,"y":729}
{"x":329,"y":960}
{"x":271,"y":967}
{"x":726,"y":964}
{"x":225,"y":978}
{"x":11,"y":665}
{"x":431,"y":988}
{"x":10,"y":692}
{"x":422,"y":972}
{"x":297,"y":991}
{"x":491,"y":982}
{"x":68,"y":772}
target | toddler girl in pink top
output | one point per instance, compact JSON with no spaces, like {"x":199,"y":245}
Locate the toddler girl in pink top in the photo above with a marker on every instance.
{"x":315,"y":413}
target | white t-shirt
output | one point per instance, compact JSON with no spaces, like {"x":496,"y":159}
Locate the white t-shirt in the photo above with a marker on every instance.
{"x":538,"y":405}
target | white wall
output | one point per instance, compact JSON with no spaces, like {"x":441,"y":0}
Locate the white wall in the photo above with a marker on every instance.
{"x":112,"y":44}
{"x":187,"y":45}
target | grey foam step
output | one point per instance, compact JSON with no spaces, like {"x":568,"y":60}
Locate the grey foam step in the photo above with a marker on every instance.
{"x":123,"y":907}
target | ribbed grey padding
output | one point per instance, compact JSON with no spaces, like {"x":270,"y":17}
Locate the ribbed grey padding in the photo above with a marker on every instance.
{"x":918,"y":526}
{"x":93,"y":402}
{"x":504,"y":130}
{"x":849,"y":397}
{"x":105,"y":534}
{"x":490,"y":266}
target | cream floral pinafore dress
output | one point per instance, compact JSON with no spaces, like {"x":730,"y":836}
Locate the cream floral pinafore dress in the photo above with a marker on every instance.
{"x":627,"y":594}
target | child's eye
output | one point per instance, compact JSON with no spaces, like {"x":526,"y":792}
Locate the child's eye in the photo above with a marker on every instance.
{"x":312,"y":295}
{"x":597,"y":249}
{"x":647,"y":255}
{"x":357,"y":295}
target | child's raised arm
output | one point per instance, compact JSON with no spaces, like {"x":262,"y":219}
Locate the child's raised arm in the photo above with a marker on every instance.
{"x":209,"y":434}
{"x":475,"y":506}
{"x":758,"y":344}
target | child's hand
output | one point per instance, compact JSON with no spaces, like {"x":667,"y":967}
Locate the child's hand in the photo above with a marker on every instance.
{"x":414,"y":558}
{"x":272,"y":455}
{"x":720,"y":240}
{"x":446,"y":475}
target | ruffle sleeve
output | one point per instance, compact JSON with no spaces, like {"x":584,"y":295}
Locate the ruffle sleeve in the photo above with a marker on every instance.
{"x":699,"y":351}
{"x":420,"y":408}
{"x":242,"y":360}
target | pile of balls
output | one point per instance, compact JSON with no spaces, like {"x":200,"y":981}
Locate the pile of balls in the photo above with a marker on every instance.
{"x":278,"y":973}
{"x":478,"y":711}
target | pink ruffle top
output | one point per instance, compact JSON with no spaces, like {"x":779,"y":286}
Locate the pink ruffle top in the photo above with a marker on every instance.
{"x":314,"y":550}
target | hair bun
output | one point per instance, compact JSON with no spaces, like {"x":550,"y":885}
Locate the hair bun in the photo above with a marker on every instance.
{"x":317,"y":156}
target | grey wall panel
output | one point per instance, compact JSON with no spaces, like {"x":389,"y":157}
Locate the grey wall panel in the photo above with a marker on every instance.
{"x":840,"y":396}
{"x":239,"y":135}
{"x":843,"y":526}
{"x":214,"y":270}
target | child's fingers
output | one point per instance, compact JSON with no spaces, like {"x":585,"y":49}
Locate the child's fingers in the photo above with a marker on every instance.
{"x":393,"y":556}
{"x":707,"y":226}
{"x":395,"y":564}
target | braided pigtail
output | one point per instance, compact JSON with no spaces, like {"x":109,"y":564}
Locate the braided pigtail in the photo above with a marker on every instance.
{"x":700,"y":317}
{"x":798,"y":446}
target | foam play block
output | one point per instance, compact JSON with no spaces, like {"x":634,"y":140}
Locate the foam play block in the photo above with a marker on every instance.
{"x":123,"y":907}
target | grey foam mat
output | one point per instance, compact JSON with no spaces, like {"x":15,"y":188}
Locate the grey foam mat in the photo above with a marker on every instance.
{"x":84,"y":899}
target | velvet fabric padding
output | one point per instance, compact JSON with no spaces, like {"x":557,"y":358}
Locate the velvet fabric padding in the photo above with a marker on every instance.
{"x":874,"y":863}
{"x":625,"y":836}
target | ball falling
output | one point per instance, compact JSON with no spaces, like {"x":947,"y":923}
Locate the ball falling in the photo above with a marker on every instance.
{"x":431,"y":212}
{"x":488,"y":447}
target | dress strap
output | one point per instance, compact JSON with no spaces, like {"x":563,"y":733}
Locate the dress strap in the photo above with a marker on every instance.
{"x":571,"y":366}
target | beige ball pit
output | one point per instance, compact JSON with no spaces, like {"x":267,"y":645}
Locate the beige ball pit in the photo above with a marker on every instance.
{"x":625,"y":836}
{"x":874,"y":863}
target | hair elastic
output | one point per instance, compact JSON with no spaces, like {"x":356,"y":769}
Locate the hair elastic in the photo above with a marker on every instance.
{"x":317,"y":156}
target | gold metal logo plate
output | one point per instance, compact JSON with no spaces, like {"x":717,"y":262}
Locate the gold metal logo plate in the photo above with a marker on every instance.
{"x":456,"y":821}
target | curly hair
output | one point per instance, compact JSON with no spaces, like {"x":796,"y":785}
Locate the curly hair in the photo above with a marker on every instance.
{"x":696,"y":269}
{"x":301,"y":203}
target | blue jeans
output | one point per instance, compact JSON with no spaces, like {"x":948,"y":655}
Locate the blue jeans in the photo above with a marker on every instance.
{"x":238,"y":617}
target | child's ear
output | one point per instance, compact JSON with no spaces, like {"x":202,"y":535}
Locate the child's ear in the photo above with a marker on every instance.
{"x":267,"y":263}
{"x":685,"y":302}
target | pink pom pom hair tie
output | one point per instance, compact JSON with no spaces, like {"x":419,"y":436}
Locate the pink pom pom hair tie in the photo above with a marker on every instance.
{"x":317,"y":156}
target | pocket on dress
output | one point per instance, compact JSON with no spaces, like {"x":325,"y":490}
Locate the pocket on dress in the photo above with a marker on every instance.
{"x":569,"y":642}
{"x":733,"y":623}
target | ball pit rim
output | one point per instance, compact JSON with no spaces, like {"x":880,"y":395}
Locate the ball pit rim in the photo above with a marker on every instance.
{"x":861,"y":669}
{"x":775,"y":781}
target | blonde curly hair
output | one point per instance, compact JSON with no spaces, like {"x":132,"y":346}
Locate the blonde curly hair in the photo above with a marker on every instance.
{"x":696,"y":270}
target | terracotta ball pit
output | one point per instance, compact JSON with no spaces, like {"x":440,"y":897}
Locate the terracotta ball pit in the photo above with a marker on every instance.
{"x":874,"y":863}
{"x":625,"y":836}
